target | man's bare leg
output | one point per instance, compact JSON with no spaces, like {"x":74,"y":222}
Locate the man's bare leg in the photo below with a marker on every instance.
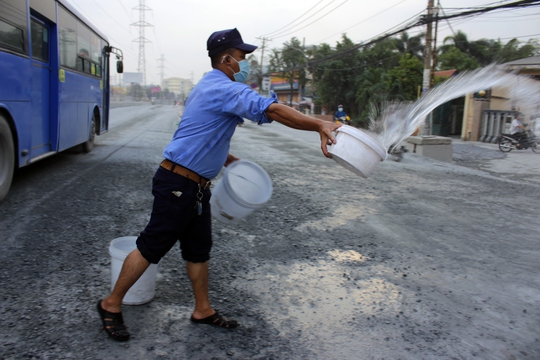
{"x":198,"y":274}
{"x":132,"y":269}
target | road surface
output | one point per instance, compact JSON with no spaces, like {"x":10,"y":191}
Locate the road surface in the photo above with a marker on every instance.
{"x":422,"y":260}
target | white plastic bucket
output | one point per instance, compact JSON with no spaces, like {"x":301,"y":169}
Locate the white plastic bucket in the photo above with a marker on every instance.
{"x":243,"y":188}
{"x":356,"y":151}
{"x":144,"y":289}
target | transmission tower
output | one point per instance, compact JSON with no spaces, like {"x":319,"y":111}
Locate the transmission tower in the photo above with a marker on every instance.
{"x":142,"y":8}
{"x":162,"y":67}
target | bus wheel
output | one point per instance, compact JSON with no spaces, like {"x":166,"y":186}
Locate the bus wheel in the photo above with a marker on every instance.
{"x":89,"y":145}
{"x":7,"y":157}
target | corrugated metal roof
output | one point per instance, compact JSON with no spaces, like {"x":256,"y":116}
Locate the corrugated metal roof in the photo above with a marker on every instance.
{"x":530,"y":61}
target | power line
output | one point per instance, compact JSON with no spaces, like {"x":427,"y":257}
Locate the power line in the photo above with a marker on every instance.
{"x":105,"y":12}
{"x":425,"y":20}
{"x":129,"y":16}
{"x":363,"y":21}
{"x":315,"y":20}
{"x":309,"y":17}
{"x":270,"y":33}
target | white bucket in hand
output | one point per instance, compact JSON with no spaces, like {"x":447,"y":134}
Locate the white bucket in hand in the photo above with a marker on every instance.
{"x":144,"y":289}
{"x":356,"y":151}
{"x":243,"y":188}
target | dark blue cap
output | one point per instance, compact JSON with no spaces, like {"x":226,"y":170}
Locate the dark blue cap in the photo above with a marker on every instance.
{"x":224,"y":39}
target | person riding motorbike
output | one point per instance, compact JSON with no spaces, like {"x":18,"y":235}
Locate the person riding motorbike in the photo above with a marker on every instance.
{"x":341,"y":116}
{"x":517,"y":130}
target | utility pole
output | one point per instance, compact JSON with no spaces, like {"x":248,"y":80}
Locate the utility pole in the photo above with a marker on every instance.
{"x":426,"y":83}
{"x":426,"y":80}
{"x":434,"y":59}
{"x":141,"y":39}
{"x":262,"y":56}
{"x":299,"y":82}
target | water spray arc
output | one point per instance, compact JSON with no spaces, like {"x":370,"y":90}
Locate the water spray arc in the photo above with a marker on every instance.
{"x":392,"y":122}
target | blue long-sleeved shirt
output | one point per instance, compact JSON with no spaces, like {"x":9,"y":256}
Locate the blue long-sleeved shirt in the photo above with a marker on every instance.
{"x":214,"y":108}
{"x":339,"y":114}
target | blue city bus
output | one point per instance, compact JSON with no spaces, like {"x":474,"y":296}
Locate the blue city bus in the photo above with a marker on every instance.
{"x":54,"y":82}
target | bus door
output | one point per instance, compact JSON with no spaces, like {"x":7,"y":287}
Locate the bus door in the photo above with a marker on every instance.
{"x":41,"y":87}
{"x":106,"y":93}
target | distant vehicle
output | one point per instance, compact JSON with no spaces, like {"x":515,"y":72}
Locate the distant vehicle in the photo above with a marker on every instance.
{"x":54,"y":76}
{"x":508,"y":143}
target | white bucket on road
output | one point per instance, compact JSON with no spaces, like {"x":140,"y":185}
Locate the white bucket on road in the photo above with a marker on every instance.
{"x":243,"y":188}
{"x":144,"y":289}
{"x":356,"y":151}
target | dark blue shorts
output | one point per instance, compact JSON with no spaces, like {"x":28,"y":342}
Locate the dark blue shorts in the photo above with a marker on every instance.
{"x":174,"y":218}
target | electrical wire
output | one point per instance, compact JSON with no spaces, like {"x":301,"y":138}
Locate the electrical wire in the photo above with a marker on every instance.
{"x":129,"y":16}
{"x":105,"y":12}
{"x":312,"y":21}
{"x":423,"y":21}
{"x":315,"y":13}
{"x":314,"y":6}
{"x":363,"y":21}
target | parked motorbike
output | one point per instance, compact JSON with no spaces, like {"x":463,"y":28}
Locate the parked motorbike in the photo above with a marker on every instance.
{"x":396,"y":152}
{"x":507,"y":143}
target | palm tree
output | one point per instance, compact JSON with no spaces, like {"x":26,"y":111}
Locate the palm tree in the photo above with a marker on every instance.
{"x":406,"y":44}
{"x":481,"y":50}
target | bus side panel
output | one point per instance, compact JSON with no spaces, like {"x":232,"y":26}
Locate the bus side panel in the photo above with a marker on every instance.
{"x":15,"y":85}
{"x":14,"y":77}
{"x":79,"y":95}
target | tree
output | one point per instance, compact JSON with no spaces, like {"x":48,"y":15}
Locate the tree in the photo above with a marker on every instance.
{"x":406,"y":44}
{"x":480,"y":50}
{"x":371,"y":87}
{"x":403,"y":80}
{"x":290,"y":62}
{"x":382,"y":54}
{"x":255,"y":72}
{"x":335,"y":78}
{"x":453,"y":58}
{"x":512,"y":51}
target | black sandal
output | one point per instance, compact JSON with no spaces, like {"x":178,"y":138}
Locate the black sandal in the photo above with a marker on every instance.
{"x":113,"y":323}
{"x":217,"y":320}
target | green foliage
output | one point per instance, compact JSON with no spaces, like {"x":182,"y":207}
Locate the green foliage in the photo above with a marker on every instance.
{"x":512,"y":51}
{"x":290,"y":62}
{"x":389,"y":69}
{"x":403,"y":80}
{"x":486,"y":51}
{"x":410,"y":45}
{"x":454,"y":58}
{"x":335,"y":79}
{"x":371,"y":86}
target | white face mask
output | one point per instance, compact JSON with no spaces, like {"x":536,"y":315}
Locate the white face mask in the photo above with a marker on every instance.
{"x":340,"y":109}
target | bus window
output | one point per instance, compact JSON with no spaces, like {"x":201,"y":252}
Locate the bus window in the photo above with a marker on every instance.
{"x":40,"y":41}
{"x":96,"y":48}
{"x":11,"y":37}
{"x":83,"y":44}
{"x":67,"y":38}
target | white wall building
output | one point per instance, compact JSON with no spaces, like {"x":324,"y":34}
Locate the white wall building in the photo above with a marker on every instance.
{"x":180,"y":87}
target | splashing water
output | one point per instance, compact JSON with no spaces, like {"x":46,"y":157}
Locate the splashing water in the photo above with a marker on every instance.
{"x":392,"y":122}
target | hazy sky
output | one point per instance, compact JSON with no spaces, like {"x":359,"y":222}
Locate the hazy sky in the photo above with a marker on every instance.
{"x":181,"y":27}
